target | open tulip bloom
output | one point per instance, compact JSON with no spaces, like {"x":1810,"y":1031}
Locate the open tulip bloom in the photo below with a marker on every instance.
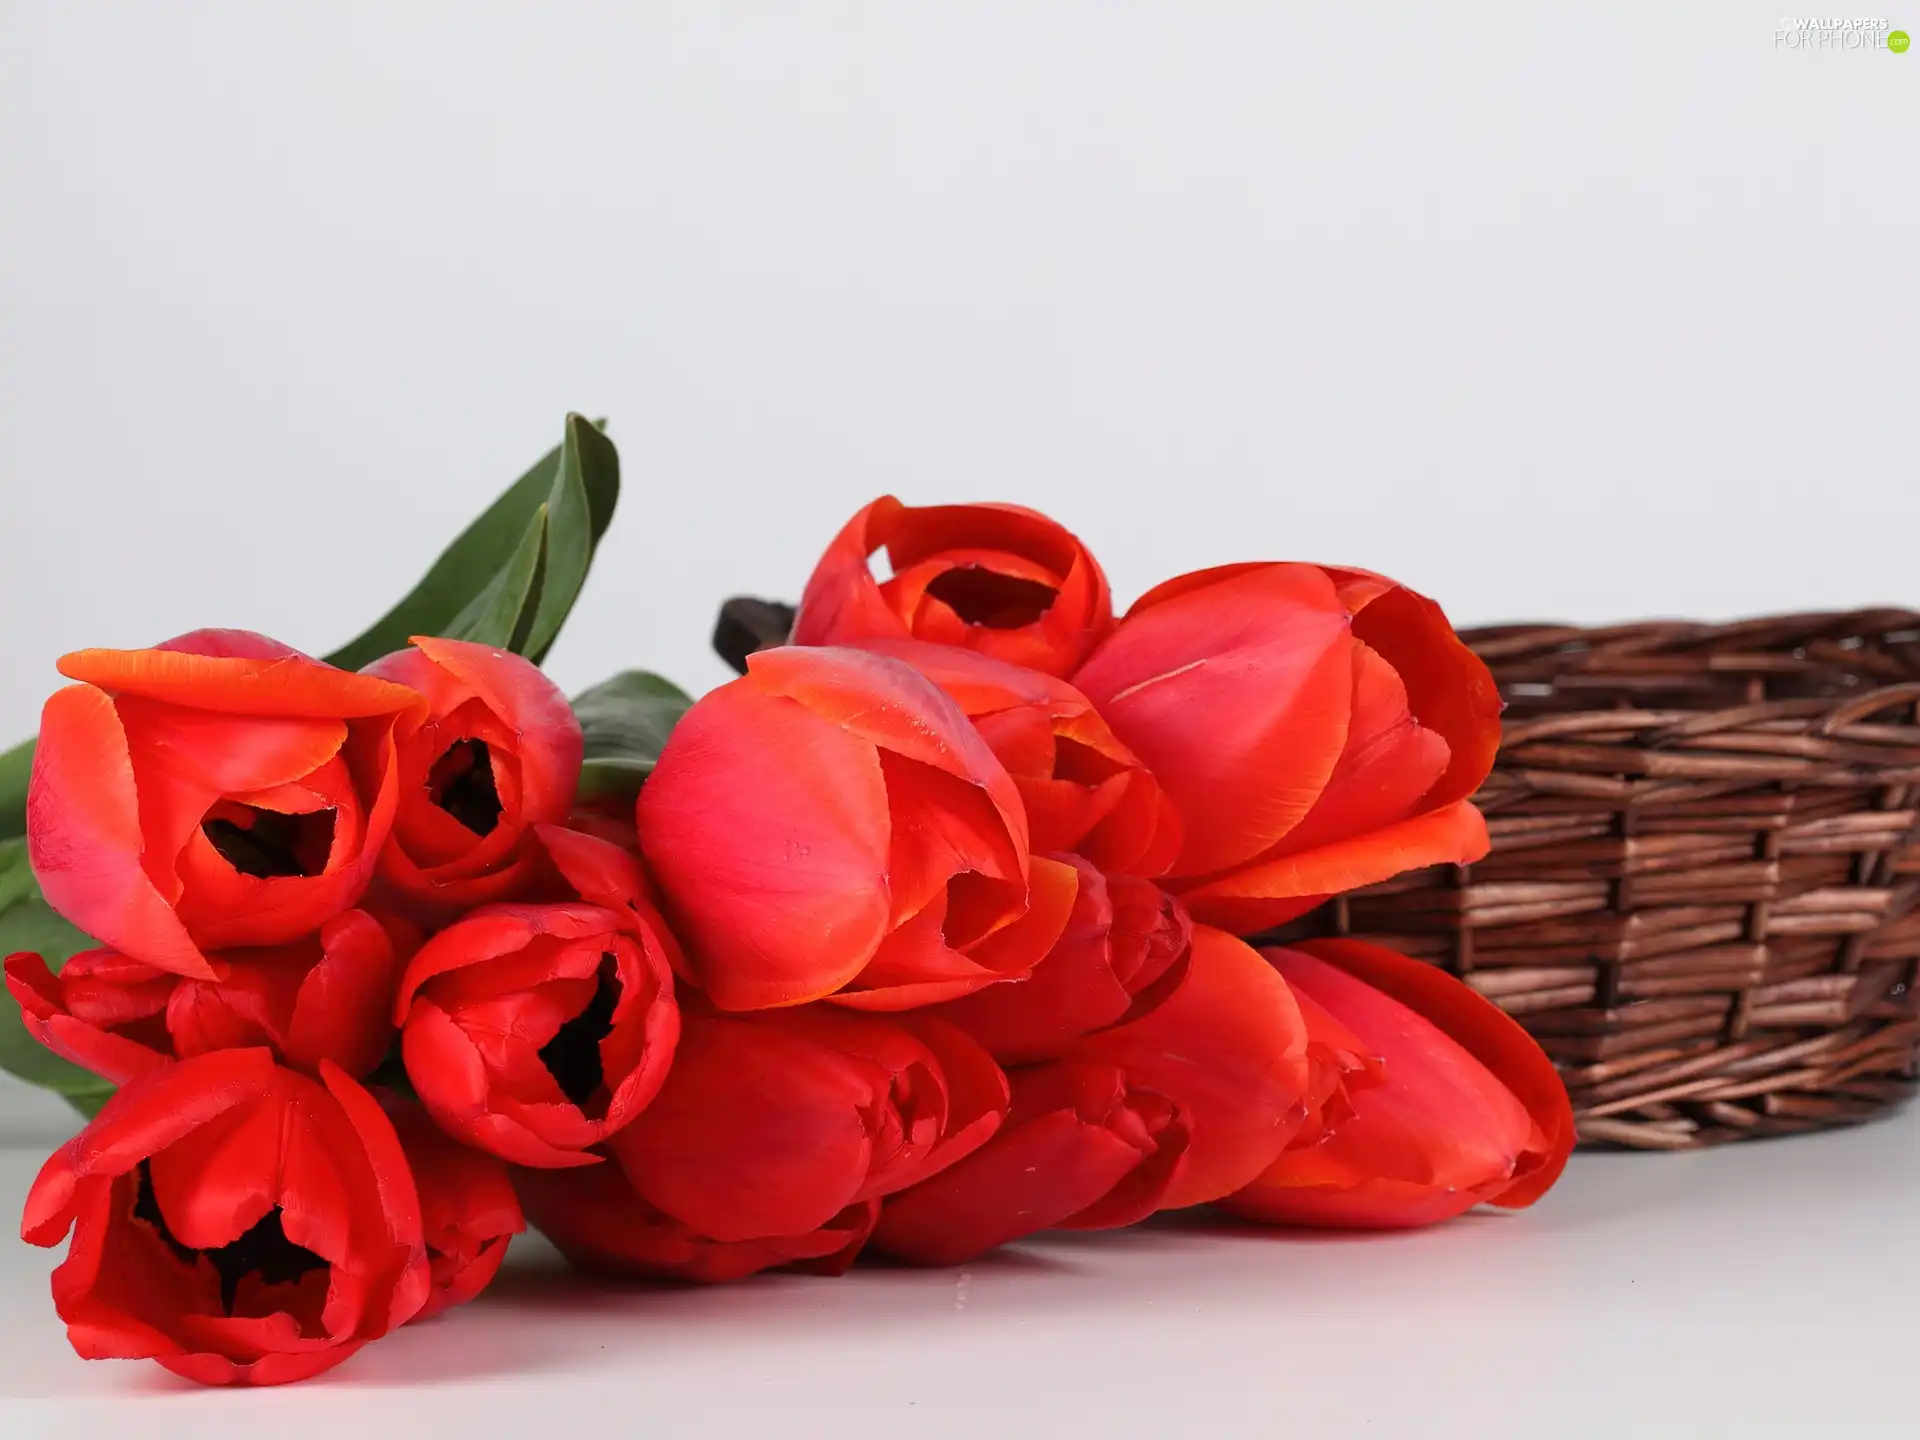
{"x":939,"y":927}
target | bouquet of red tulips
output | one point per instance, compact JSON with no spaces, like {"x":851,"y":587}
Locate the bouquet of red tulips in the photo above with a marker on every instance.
{"x":925,"y":934}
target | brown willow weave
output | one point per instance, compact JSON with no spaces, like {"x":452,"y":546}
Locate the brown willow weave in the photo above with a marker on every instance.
{"x":1705,"y":857}
{"x":1706,"y":851}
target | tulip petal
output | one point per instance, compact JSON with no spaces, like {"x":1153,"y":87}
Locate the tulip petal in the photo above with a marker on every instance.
{"x":842,"y":601}
{"x":1486,"y":1032}
{"x":250,"y":1005}
{"x":518,"y":691}
{"x":450,"y":1076}
{"x":498,"y":931}
{"x":1236,"y":697}
{"x":977,"y":1094}
{"x":1068,"y":1142}
{"x":600,"y":871}
{"x":216,"y":1182}
{"x":889,"y":704}
{"x":1275,"y":891}
{"x":342,"y":1011}
{"x":143,"y":1116}
{"x":767,"y":828}
{"x":941,"y":827}
{"x":84,"y":835}
{"x":1390,"y":762}
{"x":468,"y":1210}
{"x":398,"y":1211}
{"x":45,"y":1014}
{"x":1073,"y":989}
{"x":917,"y":965}
{"x":287,"y":685}
{"x":756,"y":1132}
{"x":1226,"y":1044}
{"x":1449,"y":688}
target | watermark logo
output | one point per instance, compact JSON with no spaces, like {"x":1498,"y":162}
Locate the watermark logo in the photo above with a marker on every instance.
{"x":1809,"y":33}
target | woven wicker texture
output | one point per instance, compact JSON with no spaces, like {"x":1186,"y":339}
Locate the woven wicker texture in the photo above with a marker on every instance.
{"x":1700,"y":893}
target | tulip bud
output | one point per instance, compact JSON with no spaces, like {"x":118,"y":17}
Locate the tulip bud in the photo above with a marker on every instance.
{"x":1318,"y":730}
{"x":999,"y":579}
{"x":497,"y":755}
{"x":216,"y":791}
{"x":1456,"y":1105}
{"x":771,"y":1142}
{"x":238,"y":1222}
{"x":830,"y":825}
{"x":536,"y":1031}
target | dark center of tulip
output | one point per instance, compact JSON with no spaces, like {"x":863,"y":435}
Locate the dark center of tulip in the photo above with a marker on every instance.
{"x":572,"y":1057}
{"x":264,"y":1250}
{"x":266,"y":844}
{"x":461,"y":783}
{"x":986,"y":597}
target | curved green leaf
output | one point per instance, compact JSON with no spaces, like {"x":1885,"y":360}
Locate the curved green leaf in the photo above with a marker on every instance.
{"x":501,"y":614}
{"x":586,"y":485}
{"x":579,"y":495}
{"x":16,"y":768}
{"x":626,"y":721}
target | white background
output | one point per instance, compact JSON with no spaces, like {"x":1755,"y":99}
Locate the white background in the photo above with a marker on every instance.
{"x":1587,"y":311}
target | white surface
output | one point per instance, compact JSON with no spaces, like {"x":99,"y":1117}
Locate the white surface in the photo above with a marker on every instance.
{"x":1587,"y":310}
{"x":1766,"y":1289}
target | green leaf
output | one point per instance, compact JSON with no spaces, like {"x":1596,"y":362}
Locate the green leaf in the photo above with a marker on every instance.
{"x":16,"y":767}
{"x":579,"y":496}
{"x":626,"y":721}
{"x":27,"y":922}
{"x":586,"y":486}
{"x":16,"y":875}
{"x":501,"y":614}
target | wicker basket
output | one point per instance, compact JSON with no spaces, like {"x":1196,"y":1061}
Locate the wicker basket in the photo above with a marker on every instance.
{"x":1704,"y":863}
{"x":1706,"y":848}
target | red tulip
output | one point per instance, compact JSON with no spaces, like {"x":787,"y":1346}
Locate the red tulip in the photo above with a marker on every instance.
{"x":1081,"y":1149}
{"x":536,"y":1031}
{"x":998,"y":579}
{"x":235,"y":1221}
{"x":1123,"y":936}
{"x":772,"y":1135}
{"x":1225,"y":1043}
{"x":220,"y":790}
{"x":1462,"y":1107}
{"x":1084,"y":791}
{"x":327,"y":997}
{"x":1318,"y":729}
{"x":830,"y":825}
{"x":499,"y":753}
{"x":468,"y":1212}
